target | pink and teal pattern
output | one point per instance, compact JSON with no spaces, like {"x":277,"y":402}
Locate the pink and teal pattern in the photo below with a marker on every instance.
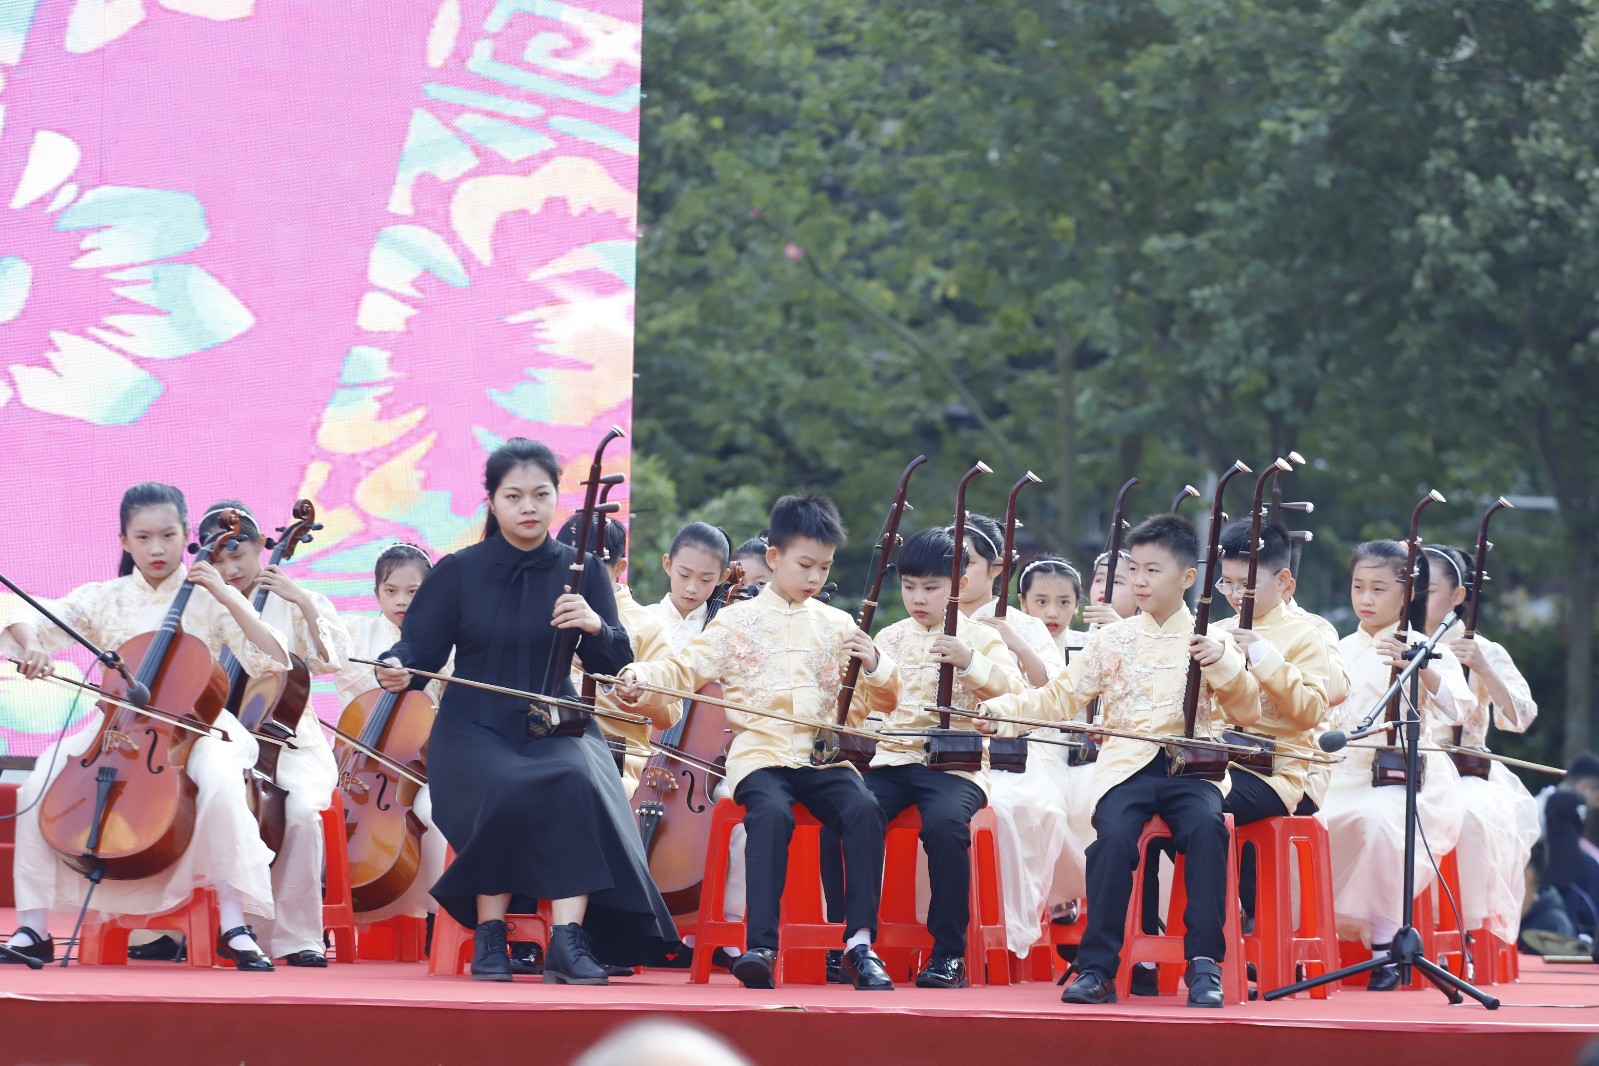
{"x":281,"y":248}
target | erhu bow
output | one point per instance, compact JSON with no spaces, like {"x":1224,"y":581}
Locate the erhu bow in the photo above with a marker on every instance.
{"x":828,"y":748}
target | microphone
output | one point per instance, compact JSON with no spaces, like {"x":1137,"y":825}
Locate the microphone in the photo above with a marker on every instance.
{"x":1333,"y":741}
{"x":138,"y":693}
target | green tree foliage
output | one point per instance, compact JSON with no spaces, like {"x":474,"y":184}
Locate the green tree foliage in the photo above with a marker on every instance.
{"x":1108,"y":237}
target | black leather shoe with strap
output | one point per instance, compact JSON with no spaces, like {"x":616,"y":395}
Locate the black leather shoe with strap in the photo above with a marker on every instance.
{"x":308,"y":959}
{"x":43,"y":948}
{"x":247,"y":960}
{"x":1090,"y":988}
{"x":1203,"y":978}
{"x":862,"y":968}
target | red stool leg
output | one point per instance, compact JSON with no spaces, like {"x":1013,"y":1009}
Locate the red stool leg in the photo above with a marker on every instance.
{"x":338,"y":907}
{"x":711,"y":929}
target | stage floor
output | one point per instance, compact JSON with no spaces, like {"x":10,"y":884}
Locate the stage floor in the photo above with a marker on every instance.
{"x":394,"y":1013}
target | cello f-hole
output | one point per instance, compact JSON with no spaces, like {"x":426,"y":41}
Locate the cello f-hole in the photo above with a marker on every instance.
{"x":689,"y":798}
{"x":382,"y":803}
{"x":149,"y":758}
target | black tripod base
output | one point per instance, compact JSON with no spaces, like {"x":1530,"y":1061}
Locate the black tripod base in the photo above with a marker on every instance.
{"x":16,"y":956}
{"x":1405,"y":953}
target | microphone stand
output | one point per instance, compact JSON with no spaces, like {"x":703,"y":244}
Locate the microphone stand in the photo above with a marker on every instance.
{"x":137,"y":694}
{"x":1405,"y":951}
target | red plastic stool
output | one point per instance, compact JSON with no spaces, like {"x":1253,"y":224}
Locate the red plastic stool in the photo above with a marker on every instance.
{"x":804,"y":935}
{"x":338,"y":908}
{"x":453,"y":943}
{"x":903,"y":940}
{"x":1278,"y":947}
{"x":106,"y":943}
{"x":402,"y":938}
{"x":1166,"y":948}
{"x":1497,"y":961}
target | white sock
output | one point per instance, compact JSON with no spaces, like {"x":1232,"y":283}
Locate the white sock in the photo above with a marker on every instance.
{"x":862,"y":936}
{"x":35,"y":919}
{"x":1146,"y":966}
{"x":1382,"y":932}
{"x":230,"y":911}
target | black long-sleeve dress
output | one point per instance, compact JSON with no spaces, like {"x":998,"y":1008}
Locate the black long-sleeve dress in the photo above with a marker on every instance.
{"x":539,"y":818}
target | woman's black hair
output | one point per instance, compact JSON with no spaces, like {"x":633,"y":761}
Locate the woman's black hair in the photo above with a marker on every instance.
{"x":1046,"y":566}
{"x":395,"y":556}
{"x":515,"y":452}
{"x":211,"y":521}
{"x":812,"y":516}
{"x":1393,"y":554}
{"x":754,"y":548}
{"x":703,"y":535}
{"x":615,"y":546}
{"x":149,"y":494}
{"x":927,"y":553}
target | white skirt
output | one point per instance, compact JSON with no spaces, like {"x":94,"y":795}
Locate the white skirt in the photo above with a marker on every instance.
{"x":1496,"y":838}
{"x":1366,"y":831}
{"x":226,"y":845}
{"x":1035,"y":821}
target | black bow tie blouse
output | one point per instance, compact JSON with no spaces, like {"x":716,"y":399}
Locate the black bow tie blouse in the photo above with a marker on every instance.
{"x":541,"y":818}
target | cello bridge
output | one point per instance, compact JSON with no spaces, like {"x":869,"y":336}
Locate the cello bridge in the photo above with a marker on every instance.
{"x":352,"y":784}
{"x":116,"y":740}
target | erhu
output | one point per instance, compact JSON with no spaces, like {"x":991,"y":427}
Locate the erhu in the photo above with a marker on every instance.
{"x":830,"y":746}
{"x":1467,"y":762}
{"x":1388,"y":764}
{"x":1008,"y":753}
{"x":1183,"y":759}
{"x":955,"y":749}
{"x":1087,"y":750}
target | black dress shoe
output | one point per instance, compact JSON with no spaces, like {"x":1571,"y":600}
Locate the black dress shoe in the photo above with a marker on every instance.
{"x":1203,"y":978}
{"x":527,"y":958}
{"x":247,"y":960}
{"x":943,"y":971}
{"x":43,"y":948}
{"x":754,"y":968}
{"x":571,"y":959}
{"x":1383,"y":979}
{"x":1090,"y":987}
{"x":311,"y":960}
{"x":835,"y":959}
{"x":861,"y":967}
{"x":162,"y":949}
{"x":616,"y":971}
{"x":1145,"y":982}
{"x":490,"y":959}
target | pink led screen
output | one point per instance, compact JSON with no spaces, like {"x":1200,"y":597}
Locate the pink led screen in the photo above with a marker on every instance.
{"x":282,"y":248}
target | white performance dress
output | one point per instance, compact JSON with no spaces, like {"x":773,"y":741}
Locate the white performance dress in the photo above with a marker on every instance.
{"x":1501,"y":817}
{"x":370,"y":636}
{"x":307,"y":772}
{"x":1042,"y":815}
{"x":226,"y":845}
{"x":1365,"y":825}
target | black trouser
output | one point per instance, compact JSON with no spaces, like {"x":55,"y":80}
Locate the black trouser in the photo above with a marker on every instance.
{"x":841,"y":803}
{"x":946,"y":803}
{"x":1192,"y":808}
{"x":1249,"y":799}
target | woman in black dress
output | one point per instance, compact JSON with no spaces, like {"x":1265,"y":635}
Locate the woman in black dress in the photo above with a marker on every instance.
{"x":529,"y":818}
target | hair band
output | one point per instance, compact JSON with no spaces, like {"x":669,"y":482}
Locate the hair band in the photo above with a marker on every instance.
{"x":1460,"y":578}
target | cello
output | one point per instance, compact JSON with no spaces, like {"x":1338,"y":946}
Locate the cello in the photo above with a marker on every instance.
{"x":125,"y":808}
{"x":1009,"y":753}
{"x":270,"y":706}
{"x":384,"y":834}
{"x":673,"y":806}
{"x":1183,"y":760}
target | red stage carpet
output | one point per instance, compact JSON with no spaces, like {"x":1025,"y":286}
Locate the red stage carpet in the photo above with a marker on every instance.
{"x":395,"y":1014}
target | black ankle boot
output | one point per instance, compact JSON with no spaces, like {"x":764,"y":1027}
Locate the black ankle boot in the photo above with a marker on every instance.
{"x":571,"y":959}
{"x":490,"y":959}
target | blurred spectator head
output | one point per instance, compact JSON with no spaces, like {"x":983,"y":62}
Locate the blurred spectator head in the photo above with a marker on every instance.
{"x":661,"y":1043}
{"x":1582,"y":776}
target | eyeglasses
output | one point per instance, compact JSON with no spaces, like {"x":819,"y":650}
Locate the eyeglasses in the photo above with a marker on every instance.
{"x":1228,"y":588}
